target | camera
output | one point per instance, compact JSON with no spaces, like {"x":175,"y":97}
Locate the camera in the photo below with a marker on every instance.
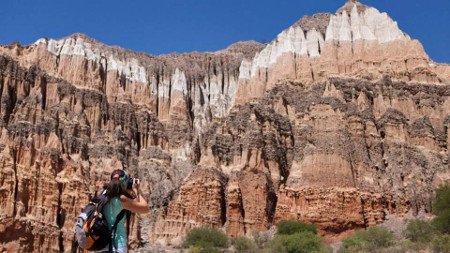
{"x":132,"y":181}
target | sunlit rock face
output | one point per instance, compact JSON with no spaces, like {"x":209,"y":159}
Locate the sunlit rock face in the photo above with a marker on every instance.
{"x":358,"y":41}
{"x":341,"y":121}
{"x":72,"y":110}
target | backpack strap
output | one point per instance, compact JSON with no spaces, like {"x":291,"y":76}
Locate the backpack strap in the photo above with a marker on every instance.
{"x":114,"y":228}
{"x":102,"y":200}
{"x":128,"y":223}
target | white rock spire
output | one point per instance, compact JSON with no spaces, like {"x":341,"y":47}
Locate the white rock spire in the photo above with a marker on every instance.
{"x":353,"y":22}
{"x":77,"y":45}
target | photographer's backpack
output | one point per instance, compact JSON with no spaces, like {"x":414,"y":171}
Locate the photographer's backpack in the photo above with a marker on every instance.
{"x":92,"y":232}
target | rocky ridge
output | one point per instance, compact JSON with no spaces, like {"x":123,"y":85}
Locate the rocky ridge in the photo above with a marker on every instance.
{"x":358,"y":41}
{"x":341,"y":121}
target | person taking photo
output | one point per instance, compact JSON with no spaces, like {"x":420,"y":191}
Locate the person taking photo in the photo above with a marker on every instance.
{"x":123,"y":194}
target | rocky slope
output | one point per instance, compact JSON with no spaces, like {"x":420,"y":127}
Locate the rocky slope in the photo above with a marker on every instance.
{"x":357,"y":41}
{"x":341,"y":121}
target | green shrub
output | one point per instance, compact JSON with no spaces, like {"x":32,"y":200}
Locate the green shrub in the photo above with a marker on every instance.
{"x":206,"y":238}
{"x":371,"y":240}
{"x":303,"y":242}
{"x":205,"y":249}
{"x":441,"y":208}
{"x":292,"y":227}
{"x":352,"y":244}
{"x":377,"y":237}
{"x":396,"y":249}
{"x":419,"y":231}
{"x":414,"y":246}
{"x":244,"y":245}
{"x":442,"y":222}
{"x":358,"y":245}
{"x":441,"y":243}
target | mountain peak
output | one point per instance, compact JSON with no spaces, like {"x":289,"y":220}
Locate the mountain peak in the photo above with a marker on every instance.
{"x":247,"y":48}
{"x":73,"y":37}
{"x":318,"y":21}
{"x":80,"y":36}
{"x":349,"y":5}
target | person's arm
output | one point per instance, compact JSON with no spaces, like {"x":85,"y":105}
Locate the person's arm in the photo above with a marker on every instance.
{"x":137,"y":205}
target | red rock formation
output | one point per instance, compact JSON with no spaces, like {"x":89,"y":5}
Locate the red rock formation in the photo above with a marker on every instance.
{"x":340,"y":122}
{"x":200,"y":202}
{"x":358,"y":41}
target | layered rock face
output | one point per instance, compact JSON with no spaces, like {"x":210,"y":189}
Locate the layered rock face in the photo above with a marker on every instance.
{"x":340,"y":121}
{"x":358,"y":41}
{"x":341,"y":154}
{"x":68,"y":120}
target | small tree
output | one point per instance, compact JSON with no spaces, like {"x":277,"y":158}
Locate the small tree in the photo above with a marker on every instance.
{"x":288,"y":227}
{"x":204,"y":238}
{"x":377,"y":237}
{"x":419,"y":231}
{"x":352,"y":244}
{"x":244,"y":245}
{"x":441,"y":243}
{"x":303,"y":242}
{"x":441,"y":208}
{"x":371,"y":240}
{"x":206,"y":249}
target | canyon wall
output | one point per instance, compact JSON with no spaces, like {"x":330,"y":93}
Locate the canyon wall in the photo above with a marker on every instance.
{"x":341,"y":121}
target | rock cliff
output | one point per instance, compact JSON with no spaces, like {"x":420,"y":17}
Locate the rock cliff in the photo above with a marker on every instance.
{"x":358,"y":41}
{"x":341,"y":121}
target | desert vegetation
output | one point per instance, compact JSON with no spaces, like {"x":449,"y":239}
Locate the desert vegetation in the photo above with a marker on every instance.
{"x":292,"y":237}
{"x":430,"y":236}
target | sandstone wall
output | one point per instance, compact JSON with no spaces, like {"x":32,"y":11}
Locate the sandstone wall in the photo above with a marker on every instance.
{"x":67,"y":122}
{"x":332,"y":156}
{"x":341,"y":121}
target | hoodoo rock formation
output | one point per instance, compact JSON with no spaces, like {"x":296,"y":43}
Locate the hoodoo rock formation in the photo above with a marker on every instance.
{"x":342,"y":121}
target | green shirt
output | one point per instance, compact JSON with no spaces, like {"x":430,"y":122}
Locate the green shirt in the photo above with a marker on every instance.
{"x":110,"y":211}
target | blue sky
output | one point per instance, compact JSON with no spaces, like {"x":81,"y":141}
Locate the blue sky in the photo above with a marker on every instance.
{"x":166,"y":26}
